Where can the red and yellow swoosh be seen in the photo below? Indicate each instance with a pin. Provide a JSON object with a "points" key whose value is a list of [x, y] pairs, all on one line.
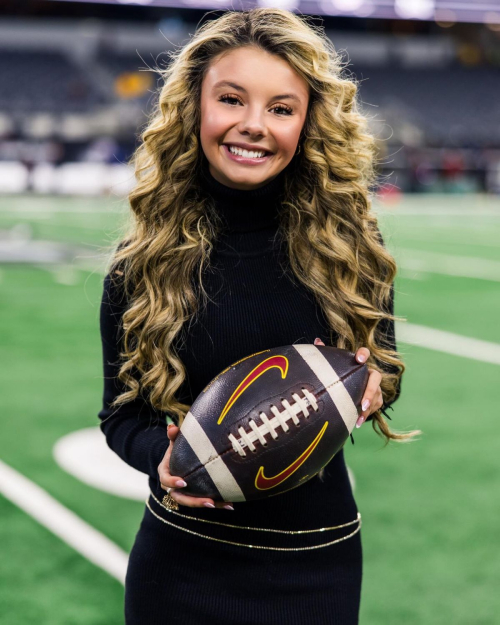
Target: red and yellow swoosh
{"points": [[281, 362], [264, 483]]}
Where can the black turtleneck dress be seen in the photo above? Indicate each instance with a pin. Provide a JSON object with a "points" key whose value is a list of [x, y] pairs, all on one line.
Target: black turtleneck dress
{"points": [[177, 576]]}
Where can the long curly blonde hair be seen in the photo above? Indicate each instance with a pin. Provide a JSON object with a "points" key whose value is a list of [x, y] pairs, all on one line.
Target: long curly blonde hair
{"points": [[333, 241]]}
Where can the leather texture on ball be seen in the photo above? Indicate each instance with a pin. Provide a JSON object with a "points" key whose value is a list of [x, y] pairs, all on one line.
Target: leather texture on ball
{"points": [[309, 396]]}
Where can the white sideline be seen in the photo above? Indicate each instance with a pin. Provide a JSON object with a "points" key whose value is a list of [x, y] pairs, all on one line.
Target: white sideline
{"points": [[447, 342], [62, 522]]}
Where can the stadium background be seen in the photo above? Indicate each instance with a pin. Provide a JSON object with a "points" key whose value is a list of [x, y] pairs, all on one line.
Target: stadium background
{"points": [[76, 82]]}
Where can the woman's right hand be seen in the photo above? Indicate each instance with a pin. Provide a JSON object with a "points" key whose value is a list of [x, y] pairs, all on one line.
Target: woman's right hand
{"points": [[169, 481]]}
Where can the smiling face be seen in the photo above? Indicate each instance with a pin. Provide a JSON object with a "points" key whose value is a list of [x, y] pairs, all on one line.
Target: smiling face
{"points": [[264, 107]]}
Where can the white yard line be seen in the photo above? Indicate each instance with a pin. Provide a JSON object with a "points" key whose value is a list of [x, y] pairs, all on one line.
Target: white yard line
{"points": [[64, 523], [435, 211], [446, 264], [448, 342], [66, 210], [425, 238]]}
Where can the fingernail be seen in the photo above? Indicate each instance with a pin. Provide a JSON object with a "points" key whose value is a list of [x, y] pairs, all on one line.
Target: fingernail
{"points": [[365, 404], [361, 358], [209, 505], [228, 507], [360, 422], [180, 483]]}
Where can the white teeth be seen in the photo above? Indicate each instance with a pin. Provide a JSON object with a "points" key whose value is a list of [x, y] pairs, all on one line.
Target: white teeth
{"points": [[245, 153]]}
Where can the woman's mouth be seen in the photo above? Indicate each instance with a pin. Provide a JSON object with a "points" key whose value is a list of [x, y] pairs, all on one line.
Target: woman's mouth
{"points": [[246, 160]]}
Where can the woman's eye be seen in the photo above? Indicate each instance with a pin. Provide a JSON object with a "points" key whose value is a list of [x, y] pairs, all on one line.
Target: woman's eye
{"points": [[224, 98], [287, 110]]}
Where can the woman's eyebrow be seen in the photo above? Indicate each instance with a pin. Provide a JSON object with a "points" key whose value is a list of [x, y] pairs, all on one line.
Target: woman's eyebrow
{"points": [[228, 83]]}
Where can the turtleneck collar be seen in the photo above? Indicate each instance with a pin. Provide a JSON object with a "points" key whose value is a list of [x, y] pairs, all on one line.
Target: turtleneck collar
{"points": [[245, 210]]}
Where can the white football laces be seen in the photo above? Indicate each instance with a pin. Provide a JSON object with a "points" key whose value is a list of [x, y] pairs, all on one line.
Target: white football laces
{"points": [[302, 404]]}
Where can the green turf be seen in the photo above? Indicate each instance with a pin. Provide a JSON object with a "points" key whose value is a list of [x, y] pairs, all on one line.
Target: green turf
{"points": [[430, 508], [43, 580]]}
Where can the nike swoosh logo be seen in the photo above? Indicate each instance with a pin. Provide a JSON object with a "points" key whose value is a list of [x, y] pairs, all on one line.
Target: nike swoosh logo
{"points": [[280, 362], [264, 483]]}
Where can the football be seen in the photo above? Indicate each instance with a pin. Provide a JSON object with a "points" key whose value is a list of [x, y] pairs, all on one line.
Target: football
{"points": [[269, 422]]}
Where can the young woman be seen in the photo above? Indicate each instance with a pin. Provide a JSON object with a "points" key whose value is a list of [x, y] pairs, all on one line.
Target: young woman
{"points": [[252, 228]]}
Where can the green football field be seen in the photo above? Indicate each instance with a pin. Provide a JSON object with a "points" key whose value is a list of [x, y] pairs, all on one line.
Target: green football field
{"points": [[430, 508]]}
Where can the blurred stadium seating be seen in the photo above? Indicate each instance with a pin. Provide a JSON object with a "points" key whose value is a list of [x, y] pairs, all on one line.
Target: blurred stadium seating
{"points": [[73, 93]]}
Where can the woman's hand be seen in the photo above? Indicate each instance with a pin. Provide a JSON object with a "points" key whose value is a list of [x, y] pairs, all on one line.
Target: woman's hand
{"points": [[175, 483], [372, 399]]}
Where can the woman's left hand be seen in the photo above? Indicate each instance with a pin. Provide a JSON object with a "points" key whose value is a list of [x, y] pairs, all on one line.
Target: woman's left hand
{"points": [[372, 399]]}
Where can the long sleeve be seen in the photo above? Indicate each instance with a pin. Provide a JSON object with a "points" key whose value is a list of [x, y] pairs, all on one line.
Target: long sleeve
{"points": [[135, 430]]}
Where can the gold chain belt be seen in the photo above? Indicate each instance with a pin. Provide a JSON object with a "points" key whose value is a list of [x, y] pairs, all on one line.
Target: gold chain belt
{"points": [[258, 529]]}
